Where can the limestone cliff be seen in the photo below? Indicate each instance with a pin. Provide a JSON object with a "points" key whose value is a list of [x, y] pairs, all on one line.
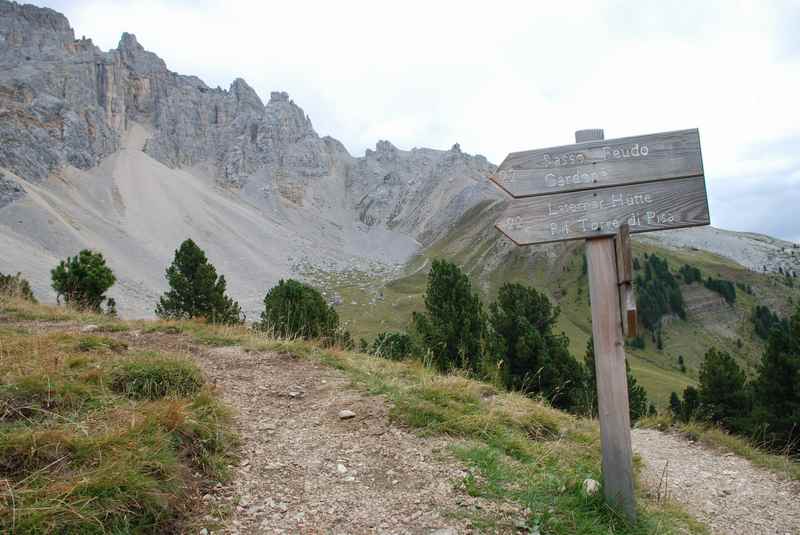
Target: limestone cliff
{"points": [[63, 101]]}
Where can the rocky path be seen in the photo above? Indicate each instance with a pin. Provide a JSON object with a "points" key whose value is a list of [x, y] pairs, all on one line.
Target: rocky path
{"points": [[724, 491], [306, 468]]}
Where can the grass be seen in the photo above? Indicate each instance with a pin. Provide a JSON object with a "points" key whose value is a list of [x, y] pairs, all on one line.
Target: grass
{"points": [[518, 450], [155, 378], [199, 331], [95, 438], [106, 456], [715, 437], [15, 309]]}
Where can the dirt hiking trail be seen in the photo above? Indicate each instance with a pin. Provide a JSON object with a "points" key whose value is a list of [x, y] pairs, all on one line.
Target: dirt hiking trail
{"points": [[726, 492], [305, 469]]}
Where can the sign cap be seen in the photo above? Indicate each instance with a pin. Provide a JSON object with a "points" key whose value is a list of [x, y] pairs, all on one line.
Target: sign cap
{"points": [[589, 134]]}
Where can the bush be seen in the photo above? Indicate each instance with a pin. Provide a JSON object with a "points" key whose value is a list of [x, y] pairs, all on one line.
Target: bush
{"points": [[293, 309], [451, 328], [531, 358], [82, 280], [393, 345], [156, 379], [16, 286], [195, 290]]}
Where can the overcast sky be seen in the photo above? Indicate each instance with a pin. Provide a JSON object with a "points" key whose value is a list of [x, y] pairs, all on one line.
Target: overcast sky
{"points": [[504, 76]]}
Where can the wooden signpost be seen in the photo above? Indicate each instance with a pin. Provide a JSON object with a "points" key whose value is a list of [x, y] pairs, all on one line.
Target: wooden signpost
{"points": [[602, 191]]}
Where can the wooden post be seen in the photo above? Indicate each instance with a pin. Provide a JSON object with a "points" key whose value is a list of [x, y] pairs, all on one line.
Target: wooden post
{"points": [[609, 357], [602, 190]]}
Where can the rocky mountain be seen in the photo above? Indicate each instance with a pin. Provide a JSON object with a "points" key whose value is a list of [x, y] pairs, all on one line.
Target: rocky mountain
{"points": [[111, 150], [94, 141]]}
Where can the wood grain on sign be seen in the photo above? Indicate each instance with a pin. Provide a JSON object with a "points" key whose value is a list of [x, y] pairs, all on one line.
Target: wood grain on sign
{"points": [[661, 205], [604, 163]]}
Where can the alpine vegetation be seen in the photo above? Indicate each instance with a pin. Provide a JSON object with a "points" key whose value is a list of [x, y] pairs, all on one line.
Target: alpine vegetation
{"points": [[82, 280], [195, 289], [295, 310]]}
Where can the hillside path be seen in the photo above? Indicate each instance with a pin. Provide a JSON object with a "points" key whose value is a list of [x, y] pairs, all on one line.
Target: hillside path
{"points": [[305, 470], [726, 492]]}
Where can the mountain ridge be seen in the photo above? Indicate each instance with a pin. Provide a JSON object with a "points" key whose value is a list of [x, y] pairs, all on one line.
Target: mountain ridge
{"points": [[261, 191], [70, 113]]}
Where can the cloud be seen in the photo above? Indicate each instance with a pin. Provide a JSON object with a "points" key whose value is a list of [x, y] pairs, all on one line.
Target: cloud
{"points": [[506, 76]]}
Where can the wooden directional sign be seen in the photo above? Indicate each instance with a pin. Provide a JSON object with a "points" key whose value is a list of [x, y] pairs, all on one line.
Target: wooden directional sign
{"points": [[647, 207], [605, 190], [604, 163]]}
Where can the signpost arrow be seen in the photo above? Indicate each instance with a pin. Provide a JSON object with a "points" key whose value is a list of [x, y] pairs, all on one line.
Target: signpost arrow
{"points": [[598, 163], [647, 207], [602, 191]]}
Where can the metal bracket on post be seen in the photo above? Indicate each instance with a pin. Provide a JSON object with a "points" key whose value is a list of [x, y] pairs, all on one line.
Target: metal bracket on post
{"points": [[627, 300]]}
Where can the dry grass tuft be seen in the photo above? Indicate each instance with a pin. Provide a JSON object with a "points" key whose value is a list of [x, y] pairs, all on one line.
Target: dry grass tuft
{"points": [[84, 448]]}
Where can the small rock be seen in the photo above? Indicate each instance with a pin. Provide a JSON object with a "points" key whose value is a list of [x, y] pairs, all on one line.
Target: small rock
{"points": [[294, 394], [444, 531], [346, 414], [341, 468], [591, 486], [89, 328], [204, 531]]}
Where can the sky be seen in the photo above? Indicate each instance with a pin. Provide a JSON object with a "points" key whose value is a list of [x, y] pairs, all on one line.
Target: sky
{"points": [[498, 76]]}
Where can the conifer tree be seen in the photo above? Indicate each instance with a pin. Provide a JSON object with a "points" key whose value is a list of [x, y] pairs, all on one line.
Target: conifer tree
{"points": [[637, 395], [293, 309], [723, 395], [675, 406], [195, 290], [777, 387], [530, 356], [691, 402], [82, 280], [451, 328]]}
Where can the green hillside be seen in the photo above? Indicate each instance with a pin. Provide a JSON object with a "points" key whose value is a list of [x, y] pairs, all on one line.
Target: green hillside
{"points": [[370, 305]]}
